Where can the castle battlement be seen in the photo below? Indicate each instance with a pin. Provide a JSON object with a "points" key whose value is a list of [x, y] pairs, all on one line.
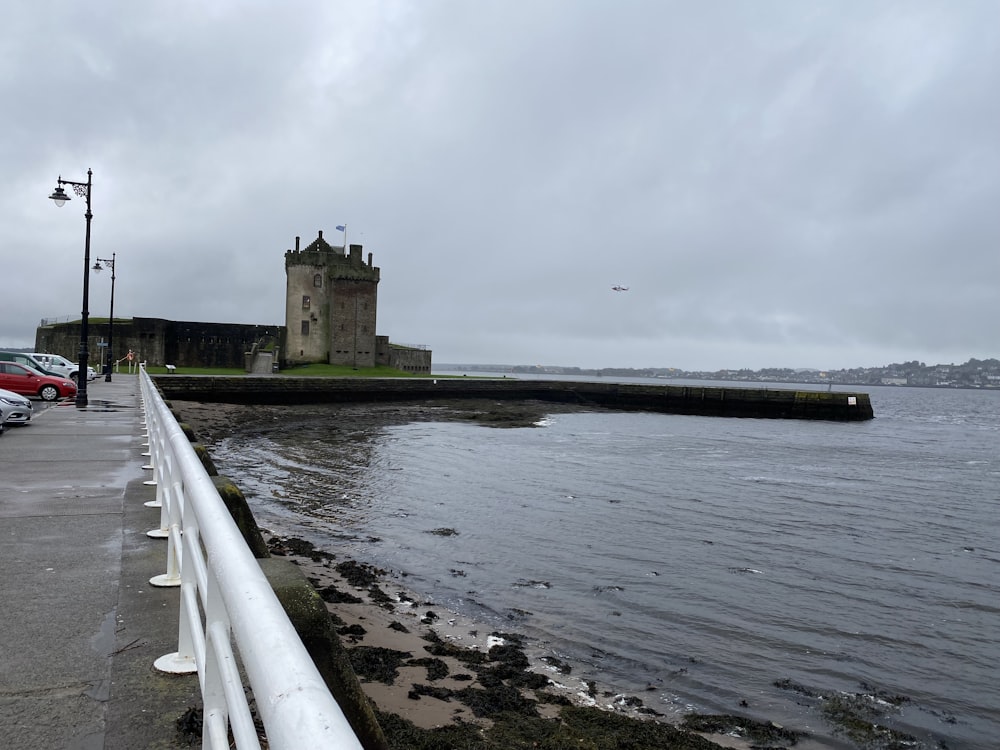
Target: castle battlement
{"points": [[339, 262]]}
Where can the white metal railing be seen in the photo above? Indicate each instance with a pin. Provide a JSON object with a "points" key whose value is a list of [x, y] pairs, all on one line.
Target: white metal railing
{"points": [[55, 321], [225, 600], [409, 346]]}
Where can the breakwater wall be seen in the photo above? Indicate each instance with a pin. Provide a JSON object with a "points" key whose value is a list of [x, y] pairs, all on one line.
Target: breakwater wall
{"points": [[670, 399]]}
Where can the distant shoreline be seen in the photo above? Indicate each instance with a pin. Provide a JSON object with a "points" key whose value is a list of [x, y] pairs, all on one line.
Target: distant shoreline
{"points": [[729, 377]]}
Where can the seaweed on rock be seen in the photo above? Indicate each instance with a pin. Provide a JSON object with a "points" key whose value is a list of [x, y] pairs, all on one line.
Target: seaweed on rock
{"points": [[759, 733], [376, 663]]}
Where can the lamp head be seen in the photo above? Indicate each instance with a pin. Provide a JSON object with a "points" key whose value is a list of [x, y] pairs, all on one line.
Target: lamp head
{"points": [[59, 196], [97, 267]]}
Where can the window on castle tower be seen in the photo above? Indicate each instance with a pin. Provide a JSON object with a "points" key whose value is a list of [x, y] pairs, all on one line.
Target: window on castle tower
{"points": [[305, 301], [305, 327], [318, 280]]}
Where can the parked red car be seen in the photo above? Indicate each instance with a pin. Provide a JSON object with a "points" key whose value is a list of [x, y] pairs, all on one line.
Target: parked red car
{"points": [[28, 382]]}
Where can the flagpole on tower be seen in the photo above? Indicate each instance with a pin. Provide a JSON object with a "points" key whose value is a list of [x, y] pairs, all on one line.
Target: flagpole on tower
{"points": [[343, 228]]}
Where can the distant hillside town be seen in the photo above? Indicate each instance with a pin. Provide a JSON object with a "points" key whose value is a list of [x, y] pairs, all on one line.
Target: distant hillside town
{"points": [[976, 373]]}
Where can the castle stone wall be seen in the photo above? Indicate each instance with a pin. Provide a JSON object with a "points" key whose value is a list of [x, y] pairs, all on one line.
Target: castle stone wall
{"points": [[410, 359], [159, 342]]}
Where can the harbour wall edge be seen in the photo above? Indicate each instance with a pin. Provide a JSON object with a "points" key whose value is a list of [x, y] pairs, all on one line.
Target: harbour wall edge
{"points": [[767, 403]]}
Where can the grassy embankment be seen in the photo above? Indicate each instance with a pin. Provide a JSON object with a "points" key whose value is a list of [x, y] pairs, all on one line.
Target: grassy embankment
{"points": [[312, 370]]}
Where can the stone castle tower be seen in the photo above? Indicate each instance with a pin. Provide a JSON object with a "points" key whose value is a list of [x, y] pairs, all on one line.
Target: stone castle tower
{"points": [[331, 302]]}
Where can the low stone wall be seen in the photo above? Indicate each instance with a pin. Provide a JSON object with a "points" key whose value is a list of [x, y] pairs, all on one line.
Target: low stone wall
{"points": [[672, 399]]}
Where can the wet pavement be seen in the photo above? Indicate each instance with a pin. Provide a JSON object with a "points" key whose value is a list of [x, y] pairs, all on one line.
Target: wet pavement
{"points": [[81, 624]]}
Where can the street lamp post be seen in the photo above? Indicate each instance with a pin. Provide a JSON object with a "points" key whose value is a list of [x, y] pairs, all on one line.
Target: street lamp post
{"points": [[111, 318], [83, 190]]}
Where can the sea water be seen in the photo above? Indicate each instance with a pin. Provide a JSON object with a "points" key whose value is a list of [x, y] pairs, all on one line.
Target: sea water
{"points": [[701, 563]]}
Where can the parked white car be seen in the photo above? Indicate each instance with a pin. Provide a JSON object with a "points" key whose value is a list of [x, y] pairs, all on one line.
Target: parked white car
{"points": [[61, 366], [15, 409]]}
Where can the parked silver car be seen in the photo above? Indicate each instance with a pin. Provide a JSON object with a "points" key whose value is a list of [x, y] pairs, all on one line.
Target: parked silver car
{"points": [[15, 409]]}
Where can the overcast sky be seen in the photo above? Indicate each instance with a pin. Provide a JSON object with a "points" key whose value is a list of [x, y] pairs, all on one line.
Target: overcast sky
{"points": [[778, 183]]}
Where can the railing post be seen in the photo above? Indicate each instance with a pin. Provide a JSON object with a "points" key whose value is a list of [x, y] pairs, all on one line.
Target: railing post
{"points": [[227, 607], [190, 641], [155, 452], [164, 480]]}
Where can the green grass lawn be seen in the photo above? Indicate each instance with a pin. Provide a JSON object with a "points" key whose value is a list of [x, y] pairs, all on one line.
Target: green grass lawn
{"points": [[312, 370]]}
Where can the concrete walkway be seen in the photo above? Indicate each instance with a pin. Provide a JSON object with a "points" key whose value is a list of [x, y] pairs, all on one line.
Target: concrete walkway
{"points": [[81, 624]]}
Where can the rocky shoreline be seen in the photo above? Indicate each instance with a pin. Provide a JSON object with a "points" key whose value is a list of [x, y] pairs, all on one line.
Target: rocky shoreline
{"points": [[438, 681]]}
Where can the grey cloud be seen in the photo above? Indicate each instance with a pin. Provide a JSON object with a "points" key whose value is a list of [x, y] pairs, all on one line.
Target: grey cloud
{"points": [[780, 184]]}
